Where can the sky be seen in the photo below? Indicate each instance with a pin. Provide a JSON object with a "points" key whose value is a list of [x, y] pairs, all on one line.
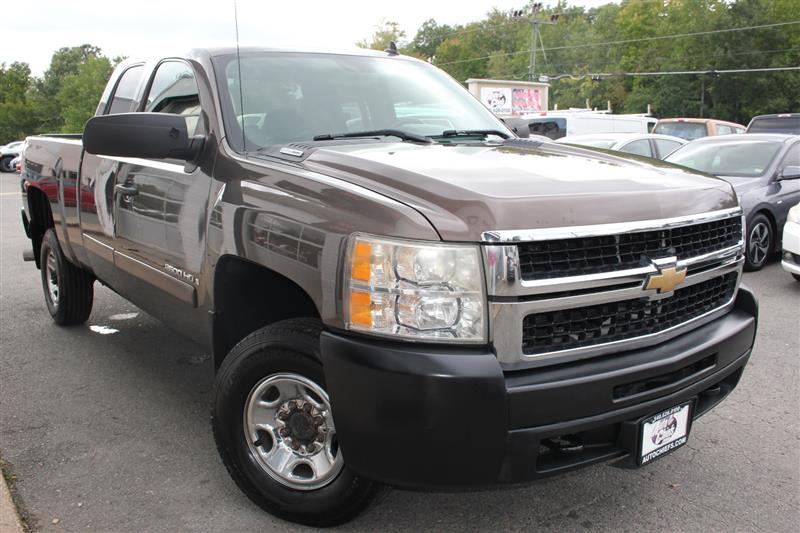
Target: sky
{"points": [[148, 28]]}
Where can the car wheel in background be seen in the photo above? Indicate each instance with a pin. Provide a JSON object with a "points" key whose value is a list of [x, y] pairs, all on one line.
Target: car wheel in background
{"points": [[759, 245], [5, 163]]}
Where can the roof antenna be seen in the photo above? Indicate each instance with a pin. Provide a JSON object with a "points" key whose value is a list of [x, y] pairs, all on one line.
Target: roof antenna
{"points": [[392, 50], [239, 68]]}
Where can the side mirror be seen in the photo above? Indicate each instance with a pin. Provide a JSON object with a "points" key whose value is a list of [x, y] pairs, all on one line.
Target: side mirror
{"points": [[789, 172], [145, 135]]}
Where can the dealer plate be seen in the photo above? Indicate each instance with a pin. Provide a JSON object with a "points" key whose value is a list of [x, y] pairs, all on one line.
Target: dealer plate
{"points": [[664, 432]]}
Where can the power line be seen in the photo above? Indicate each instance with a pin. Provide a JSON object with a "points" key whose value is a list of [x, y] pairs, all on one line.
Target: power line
{"points": [[625, 41], [671, 73], [662, 58]]}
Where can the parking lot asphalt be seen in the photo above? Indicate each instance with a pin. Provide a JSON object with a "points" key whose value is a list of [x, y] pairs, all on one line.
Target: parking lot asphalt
{"points": [[105, 427]]}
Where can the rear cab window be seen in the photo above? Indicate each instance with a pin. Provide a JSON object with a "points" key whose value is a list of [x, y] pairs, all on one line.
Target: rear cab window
{"points": [[124, 99]]}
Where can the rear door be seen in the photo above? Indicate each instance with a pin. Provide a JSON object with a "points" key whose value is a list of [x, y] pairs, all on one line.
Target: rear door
{"points": [[96, 196], [161, 205]]}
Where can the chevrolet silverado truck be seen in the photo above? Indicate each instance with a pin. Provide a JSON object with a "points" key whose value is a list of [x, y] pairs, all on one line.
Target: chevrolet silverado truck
{"points": [[396, 290]]}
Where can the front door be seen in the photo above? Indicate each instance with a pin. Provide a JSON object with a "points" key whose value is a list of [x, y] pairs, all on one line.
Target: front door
{"points": [[160, 206]]}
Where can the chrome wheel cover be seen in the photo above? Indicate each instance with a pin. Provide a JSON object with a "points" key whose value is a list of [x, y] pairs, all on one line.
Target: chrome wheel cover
{"points": [[51, 277], [759, 243], [289, 430]]}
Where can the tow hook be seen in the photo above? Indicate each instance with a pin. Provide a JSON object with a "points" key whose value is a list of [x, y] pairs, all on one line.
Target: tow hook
{"points": [[564, 444]]}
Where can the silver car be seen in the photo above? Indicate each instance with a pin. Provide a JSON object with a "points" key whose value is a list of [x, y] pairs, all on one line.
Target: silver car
{"points": [[764, 169]]}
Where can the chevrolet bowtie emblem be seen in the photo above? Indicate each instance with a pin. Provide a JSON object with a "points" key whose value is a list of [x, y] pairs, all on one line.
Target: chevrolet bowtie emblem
{"points": [[666, 280]]}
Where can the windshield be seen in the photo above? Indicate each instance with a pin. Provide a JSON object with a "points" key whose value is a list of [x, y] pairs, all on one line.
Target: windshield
{"points": [[788, 125], [684, 130], [294, 97], [747, 159]]}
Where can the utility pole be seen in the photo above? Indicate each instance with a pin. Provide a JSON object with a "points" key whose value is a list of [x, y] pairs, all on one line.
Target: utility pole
{"points": [[536, 7]]}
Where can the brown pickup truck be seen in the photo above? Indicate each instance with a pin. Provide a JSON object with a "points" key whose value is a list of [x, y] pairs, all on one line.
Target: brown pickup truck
{"points": [[397, 290]]}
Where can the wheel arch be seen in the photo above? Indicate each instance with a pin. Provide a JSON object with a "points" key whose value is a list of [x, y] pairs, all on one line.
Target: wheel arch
{"points": [[41, 219], [249, 296]]}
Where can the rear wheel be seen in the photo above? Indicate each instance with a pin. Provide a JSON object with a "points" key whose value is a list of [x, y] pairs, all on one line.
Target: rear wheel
{"points": [[68, 289], [760, 240], [275, 431]]}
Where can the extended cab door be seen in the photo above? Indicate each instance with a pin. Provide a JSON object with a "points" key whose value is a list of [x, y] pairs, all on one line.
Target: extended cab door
{"points": [[96, 196], [160, 205]]}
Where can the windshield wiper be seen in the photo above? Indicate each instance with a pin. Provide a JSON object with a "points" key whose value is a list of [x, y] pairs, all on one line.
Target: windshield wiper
{"points": [[404, 135], [474, 133]]}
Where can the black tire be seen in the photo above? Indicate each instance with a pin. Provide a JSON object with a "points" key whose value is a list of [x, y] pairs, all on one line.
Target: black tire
{"points": [[72, 303], [760, 243], [5, 163], [290, 346]]}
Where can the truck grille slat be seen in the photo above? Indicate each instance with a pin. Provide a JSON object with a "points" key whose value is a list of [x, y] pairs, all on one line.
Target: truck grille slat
{"points": [[590, 255], [598, 324]]}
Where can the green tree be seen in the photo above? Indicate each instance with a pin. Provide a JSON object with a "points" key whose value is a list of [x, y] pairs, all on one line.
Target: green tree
{"points": [[16, 114], [64, 62], [427, 39], [385, 32], [80, 92]]}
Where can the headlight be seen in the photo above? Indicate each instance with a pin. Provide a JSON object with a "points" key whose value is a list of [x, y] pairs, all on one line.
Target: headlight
{"points": [[794, 214], [427, 292]]}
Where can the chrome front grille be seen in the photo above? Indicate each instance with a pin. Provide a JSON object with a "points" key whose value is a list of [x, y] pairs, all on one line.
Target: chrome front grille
{"points": [[565, 329], [606, 253], [582, 304]]}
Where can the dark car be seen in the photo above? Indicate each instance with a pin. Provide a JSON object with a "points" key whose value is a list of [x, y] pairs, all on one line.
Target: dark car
{"points": [[764, 169], [786, 123]]}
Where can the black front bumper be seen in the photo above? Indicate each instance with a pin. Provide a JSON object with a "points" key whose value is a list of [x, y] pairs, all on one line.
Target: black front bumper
{"points": [[445, 418]]}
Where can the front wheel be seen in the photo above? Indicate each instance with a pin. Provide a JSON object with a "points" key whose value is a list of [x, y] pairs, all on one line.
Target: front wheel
{"points": [[275, 431], [760, 240]]}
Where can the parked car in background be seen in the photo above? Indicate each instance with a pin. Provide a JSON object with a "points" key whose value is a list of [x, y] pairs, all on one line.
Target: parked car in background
{"points": [[695, 128], [791, 243], [648, 145], [8, 153], [558, 124], [787, 123], [16, 163], [764, 169]]}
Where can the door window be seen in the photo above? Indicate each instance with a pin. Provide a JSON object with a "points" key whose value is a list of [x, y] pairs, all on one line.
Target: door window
{"points": [[666, 147], [174, 90], [124, 99], [722, 129], [640, 147]]}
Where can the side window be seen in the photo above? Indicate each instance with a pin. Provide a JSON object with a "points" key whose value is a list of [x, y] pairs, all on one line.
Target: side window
{"points": [[174, 90], [666, 147], [640, 147], [722, 129], [124, 98]]}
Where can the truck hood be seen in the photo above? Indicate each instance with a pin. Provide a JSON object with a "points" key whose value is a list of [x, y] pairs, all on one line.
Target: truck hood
{"points": [[465, 190]]}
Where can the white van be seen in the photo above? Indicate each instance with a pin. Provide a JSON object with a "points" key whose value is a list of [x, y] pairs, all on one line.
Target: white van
{"points": [[558, 124]]}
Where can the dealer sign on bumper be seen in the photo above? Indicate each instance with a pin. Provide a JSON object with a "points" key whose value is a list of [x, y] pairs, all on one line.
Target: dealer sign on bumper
{"points": [[664, 432]]}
